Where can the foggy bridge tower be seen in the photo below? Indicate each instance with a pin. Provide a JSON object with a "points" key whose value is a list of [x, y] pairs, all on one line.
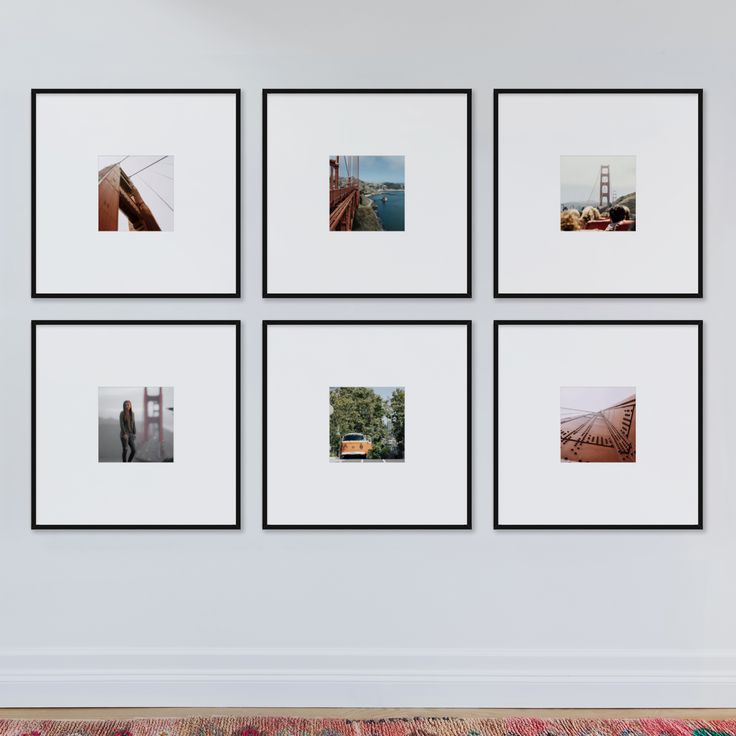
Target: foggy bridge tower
{"points": [[605, 187], [153, 416]]}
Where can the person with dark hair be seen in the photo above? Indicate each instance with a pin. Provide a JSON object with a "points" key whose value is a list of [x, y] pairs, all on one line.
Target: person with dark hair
{"points": [[618, 213], [127, 431]]}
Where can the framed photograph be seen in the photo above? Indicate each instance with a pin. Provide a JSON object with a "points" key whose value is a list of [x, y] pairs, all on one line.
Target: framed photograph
{"points": [[366, 193], [163, 396], [575, 166], [366, 425], [607, 434], [135, 192]]}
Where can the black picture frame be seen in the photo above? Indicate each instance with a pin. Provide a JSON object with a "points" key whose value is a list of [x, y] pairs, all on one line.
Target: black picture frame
{"points": [[236, 294], [467, 294], [264, 428], [238, 398], [497, 293], [498, 526]]}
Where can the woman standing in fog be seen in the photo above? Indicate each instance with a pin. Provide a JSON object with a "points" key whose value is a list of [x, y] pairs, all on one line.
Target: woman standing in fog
{"points": [[127, 431]]}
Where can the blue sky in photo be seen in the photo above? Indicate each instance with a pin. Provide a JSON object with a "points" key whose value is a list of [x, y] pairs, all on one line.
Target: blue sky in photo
{"points": [[378, 169]]}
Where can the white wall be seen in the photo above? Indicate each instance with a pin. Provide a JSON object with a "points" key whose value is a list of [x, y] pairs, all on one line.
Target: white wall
{"points": [[475, 618]]}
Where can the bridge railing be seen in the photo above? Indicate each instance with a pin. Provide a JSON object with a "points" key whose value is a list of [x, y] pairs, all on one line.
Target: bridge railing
{"points": [[343, 211], [337, 195]]}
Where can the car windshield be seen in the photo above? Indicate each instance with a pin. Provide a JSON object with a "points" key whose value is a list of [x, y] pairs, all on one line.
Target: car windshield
{"points": [[353, 438]]}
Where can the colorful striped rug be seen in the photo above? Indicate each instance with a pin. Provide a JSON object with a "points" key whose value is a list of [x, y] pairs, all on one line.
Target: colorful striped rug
{"points": [[274, 726]]}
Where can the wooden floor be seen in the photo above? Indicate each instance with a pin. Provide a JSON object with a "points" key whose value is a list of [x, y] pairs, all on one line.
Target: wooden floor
{"points": [[367, 713]]}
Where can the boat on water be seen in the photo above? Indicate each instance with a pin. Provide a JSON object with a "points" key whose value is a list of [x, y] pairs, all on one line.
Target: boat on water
{"points": [[384, 198]]}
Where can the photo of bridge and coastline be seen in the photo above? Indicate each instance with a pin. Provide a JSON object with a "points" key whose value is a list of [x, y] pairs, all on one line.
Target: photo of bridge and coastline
{"points": [[598, 193], [367, 193]]}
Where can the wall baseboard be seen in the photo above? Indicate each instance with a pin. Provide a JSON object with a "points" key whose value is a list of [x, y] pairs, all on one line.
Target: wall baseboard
{"points": [[140, 677]]}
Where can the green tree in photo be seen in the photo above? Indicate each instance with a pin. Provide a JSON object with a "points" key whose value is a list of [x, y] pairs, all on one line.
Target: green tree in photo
{"points": [[356, 409], [362, 410], [396, 417]]}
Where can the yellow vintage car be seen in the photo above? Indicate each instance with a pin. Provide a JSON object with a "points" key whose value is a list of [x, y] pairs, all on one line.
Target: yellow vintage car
{"points": [[355, 446]]}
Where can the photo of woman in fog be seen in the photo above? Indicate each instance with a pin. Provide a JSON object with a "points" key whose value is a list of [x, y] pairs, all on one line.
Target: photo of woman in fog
{"points": [[149, 409]]}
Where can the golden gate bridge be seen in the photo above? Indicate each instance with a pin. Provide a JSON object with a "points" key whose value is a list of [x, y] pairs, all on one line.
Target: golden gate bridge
{"points": [[605, 200]]}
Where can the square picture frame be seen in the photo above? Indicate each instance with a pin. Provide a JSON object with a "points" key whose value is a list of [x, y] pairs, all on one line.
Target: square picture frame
{"points": [[327, 384], [627, 474], [118, 411], [167, 163], [358, 136], [536, 257]]}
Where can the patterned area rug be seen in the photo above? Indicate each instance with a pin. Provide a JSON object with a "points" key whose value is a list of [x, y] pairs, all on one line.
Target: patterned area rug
{"points": [[270, 726]]}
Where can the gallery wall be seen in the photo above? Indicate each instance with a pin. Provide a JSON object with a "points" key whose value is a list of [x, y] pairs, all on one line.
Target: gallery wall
{"points": [[473, 618]]}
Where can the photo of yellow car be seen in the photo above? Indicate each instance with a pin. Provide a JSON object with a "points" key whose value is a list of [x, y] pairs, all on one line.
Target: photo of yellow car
{"points": [[355, 446]]}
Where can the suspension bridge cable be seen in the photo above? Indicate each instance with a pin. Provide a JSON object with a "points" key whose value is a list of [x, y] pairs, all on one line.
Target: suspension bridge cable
{"points": [[130, 176], [595, 184], [110, 168], [148, 184], [158, 173]]}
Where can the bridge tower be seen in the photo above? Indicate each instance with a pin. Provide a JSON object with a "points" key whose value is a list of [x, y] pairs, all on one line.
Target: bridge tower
{"points": [[335, 173], [153, 416], [116, 192], [604, 199]]}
